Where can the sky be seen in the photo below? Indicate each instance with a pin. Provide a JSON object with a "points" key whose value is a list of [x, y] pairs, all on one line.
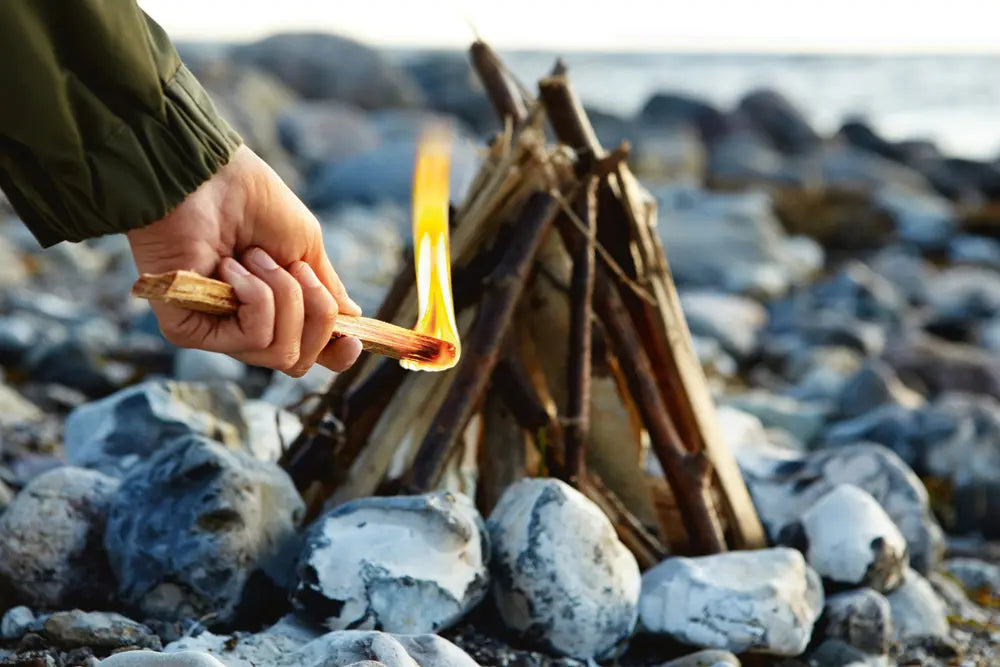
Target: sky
{"points": [[854, 26]]}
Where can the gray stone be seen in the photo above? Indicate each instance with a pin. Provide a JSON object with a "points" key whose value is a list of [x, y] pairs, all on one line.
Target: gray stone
{"points": [[97, 630], [974, 575], [733, 320], [16, 621], [957, 601], [154, 659], [744, 159], [270, 429], [917, 611], [406, 565], [861, 618], [662, 155], [706, 658], [189, 527], [874, 385], [50, 540], [449, 84], [783, 124], [963, 293], [200, 366], [325, 66], [851, 168], [756, 258], [838, 653], [924, 219], [561, 577], [327, 130], [802, 420], [849, 540], [977, 250], [761, 601], [130, 426], [6, 496], [669, 109]]}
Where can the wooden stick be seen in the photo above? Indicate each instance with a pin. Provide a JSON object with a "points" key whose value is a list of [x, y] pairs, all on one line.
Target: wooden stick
{"points": [[578, 363], [483, 348], [207, 295], [506, 99]]}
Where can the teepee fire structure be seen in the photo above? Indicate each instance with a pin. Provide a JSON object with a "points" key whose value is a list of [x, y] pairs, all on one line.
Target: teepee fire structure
{"points": [[576, 360]]}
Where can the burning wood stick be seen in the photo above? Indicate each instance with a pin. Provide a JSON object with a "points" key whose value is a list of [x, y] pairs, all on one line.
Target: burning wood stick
{"points": [[195, 292]]}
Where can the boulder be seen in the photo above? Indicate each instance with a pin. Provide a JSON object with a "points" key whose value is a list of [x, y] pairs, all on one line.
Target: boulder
{"points": [[407, 565], [672, 109], [116, 433], [199, 528], [323, 131], [849, 540], [325, 66], [917, 611], [760, 601], [861, 618], [780, 121], [561, 577], [50, 540]]}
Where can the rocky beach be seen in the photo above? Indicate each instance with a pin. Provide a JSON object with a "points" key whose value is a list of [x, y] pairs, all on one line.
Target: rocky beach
{"points": [[843, 294]]}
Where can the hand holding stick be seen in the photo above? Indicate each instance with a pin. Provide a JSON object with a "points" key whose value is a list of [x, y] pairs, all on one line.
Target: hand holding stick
{"points": [[207, 295]]}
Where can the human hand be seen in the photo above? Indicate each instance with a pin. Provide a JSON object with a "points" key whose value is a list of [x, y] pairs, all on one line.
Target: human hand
{"points": [[290, 295]]}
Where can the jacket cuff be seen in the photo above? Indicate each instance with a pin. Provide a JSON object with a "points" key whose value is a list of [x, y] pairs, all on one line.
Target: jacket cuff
{"points": [[145, 167]]}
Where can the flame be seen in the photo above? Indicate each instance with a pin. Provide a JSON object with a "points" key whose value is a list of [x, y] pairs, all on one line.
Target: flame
{"points": [[431, 249]]}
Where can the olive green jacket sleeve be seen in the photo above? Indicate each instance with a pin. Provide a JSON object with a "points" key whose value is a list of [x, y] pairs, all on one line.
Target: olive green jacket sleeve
{"points": [[102, 128]]}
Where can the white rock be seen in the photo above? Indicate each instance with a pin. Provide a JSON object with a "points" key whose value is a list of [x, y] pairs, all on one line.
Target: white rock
{"points": [[861, 618], [154, 659], [762, 601], [244, 650], [284, 390], [270, 429], [409, 565], [16, 621], [850, 540], [561, 577], [917, 611], [735, 321]]}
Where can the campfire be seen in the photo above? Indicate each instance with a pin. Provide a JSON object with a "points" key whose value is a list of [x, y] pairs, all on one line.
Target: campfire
{"points": [[576, 361]]}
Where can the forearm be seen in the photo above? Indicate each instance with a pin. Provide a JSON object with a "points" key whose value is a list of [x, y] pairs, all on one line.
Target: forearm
{"points": [[103, 129]]}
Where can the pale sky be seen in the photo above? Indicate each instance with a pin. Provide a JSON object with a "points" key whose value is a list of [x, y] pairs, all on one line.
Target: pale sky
{"points": [[869, 26]]}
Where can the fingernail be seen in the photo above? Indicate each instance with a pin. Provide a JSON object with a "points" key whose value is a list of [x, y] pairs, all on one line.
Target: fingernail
{"points": [[236, 267], [352, 302], [263, 260], [307, 276]]}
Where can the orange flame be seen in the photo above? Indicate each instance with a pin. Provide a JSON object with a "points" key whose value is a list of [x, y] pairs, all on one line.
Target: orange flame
{"points": [[431, 249]]}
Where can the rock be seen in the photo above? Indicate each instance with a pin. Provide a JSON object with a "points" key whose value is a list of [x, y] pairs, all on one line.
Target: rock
{"points": [[271, 429], [324, 66], [666, 155], [50, 540], [957, 602], [6, 496], [189, 528], [837, 653], [861, 618], [743, 159], [345, 647], [874, 385], [849, 540], [154, 659], [324, 131], [97, 630], [116, 433], [406, 565], [74, 364], [905, 269], [849, 168], [802, 420], [706, 658], [449, 84], [837, 218], [784, 484], [201, 366], [755, 259], [16, 621], [966, 249], [672, 109], [384, 174], [762, 601], [734, 321], [561, 577], [964, 294], [974, 575], [917, 611], [366, 246], [942, 366], [286, 391], [15, 409], [783, 124], [924, 219]]}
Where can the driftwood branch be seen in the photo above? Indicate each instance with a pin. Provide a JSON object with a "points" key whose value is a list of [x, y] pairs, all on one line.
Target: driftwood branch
{"points": [[482, 347], [687, 477], [578, 365], [506, 99]]}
